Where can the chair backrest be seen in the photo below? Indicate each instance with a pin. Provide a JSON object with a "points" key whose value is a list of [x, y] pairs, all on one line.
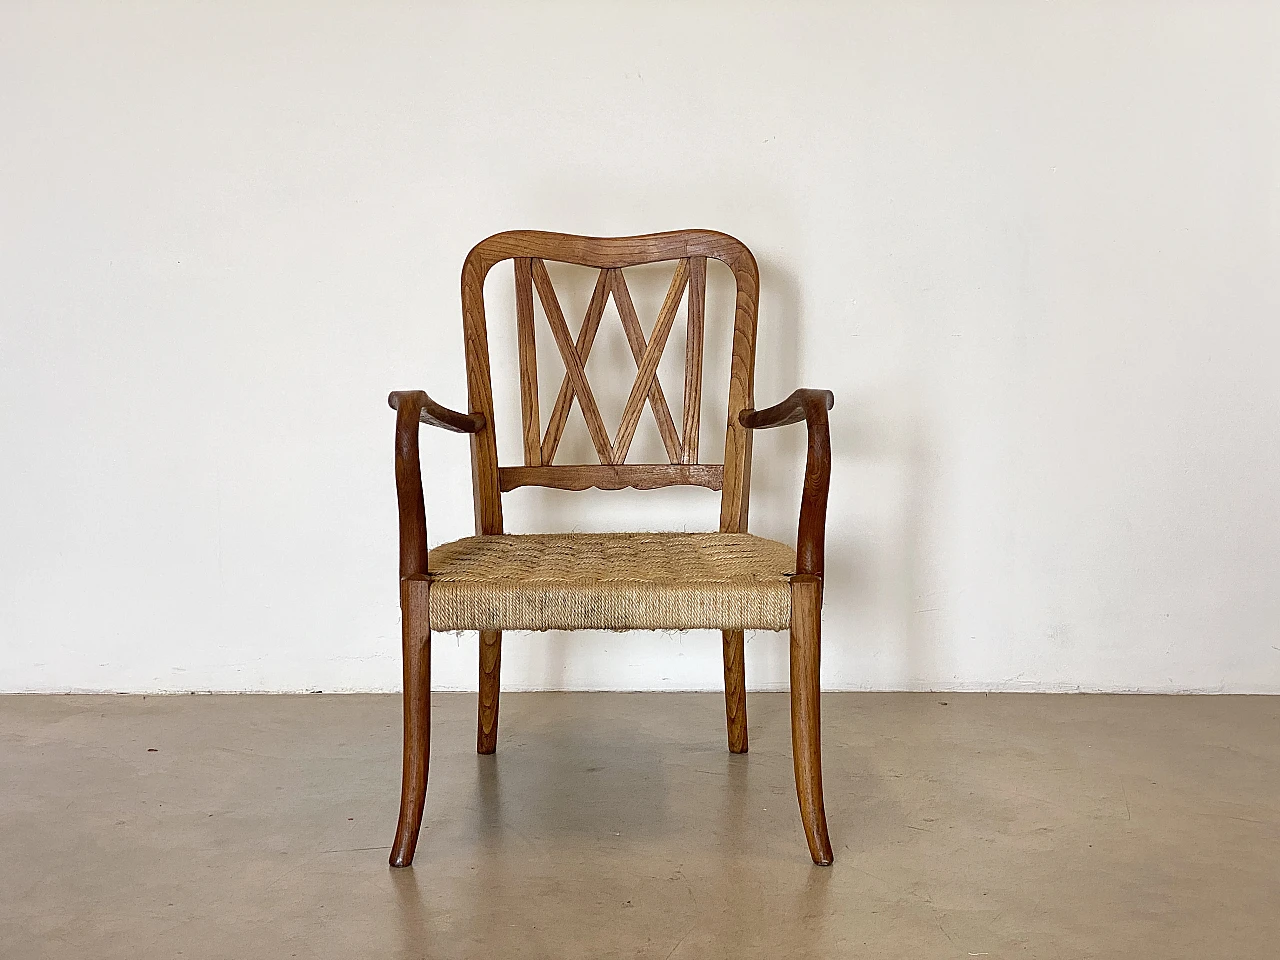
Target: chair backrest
{"points": [[530, 249]]}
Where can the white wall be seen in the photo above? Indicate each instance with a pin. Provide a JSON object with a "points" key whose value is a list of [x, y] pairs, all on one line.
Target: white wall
{"points": [[1032, 247]]}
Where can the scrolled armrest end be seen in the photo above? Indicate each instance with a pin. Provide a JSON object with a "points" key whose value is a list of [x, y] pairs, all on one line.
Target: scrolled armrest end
{"points": [[795, 408], [432, 413]]}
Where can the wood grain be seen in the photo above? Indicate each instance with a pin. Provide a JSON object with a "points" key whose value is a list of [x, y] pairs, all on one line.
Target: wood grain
{"points": [[490, 684], [530, 420], [573, 364], [484, 446], [603, 252], [693, 359], [586, 339], [640, 476], [435, 415], [646, 375], [806, 720], [810, 406], [636, 340], [736, 501], [413, 514], [791, 410], [414, 407], [735, 689], [416, 642]]}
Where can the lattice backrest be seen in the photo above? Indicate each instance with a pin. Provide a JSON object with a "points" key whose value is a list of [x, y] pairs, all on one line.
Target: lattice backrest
{"points": [[690, 276], [689, 250]]}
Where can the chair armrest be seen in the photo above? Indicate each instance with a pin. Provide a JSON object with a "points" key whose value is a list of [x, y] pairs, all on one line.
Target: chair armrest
{"points": [[810, 406], [414, 407], [791, 410], [432, 413]]}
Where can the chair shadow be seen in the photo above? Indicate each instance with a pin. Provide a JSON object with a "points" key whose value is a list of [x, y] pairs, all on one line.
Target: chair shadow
{"points": [[610, 781]]}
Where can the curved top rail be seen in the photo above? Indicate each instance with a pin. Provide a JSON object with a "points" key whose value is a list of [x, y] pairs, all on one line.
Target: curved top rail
{"points": [[606, 252]]}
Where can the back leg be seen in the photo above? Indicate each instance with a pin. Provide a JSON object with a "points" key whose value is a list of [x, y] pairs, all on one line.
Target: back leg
{"points": [[490, 672], [735, 690]]}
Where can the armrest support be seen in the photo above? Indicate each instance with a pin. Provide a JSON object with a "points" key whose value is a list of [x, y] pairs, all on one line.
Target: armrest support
{"points": [[810, 406], [412, 408]]}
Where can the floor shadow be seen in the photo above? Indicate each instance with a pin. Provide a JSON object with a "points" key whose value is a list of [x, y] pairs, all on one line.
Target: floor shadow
{"points": [[603, 802], [413, 925], [606, 781]]}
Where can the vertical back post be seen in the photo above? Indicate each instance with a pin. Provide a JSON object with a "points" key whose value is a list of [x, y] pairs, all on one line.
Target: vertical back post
{"points": [[735, 500], [529, 417], [693, 359], [484, 446]]}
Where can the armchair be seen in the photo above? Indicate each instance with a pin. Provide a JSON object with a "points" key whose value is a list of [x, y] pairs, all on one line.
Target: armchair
{"points": [[728, 580]]}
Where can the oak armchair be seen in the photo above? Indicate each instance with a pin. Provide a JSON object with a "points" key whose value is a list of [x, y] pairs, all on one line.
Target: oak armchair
{"points": [[729, 580]]}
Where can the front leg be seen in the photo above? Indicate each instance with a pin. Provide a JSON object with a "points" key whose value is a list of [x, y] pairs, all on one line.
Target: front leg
{"points": [[806, 722], [811, 406], [416, 633], [412, 408]]}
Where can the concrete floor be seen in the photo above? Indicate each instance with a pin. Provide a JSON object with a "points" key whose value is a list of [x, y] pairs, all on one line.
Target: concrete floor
{"points": [[617, 825]]}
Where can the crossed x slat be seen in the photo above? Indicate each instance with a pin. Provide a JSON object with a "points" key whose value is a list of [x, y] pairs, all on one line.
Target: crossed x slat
{"points": [[647, 354]]}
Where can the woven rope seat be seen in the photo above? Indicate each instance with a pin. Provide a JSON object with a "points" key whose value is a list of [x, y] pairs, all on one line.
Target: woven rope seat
{"points": [[611, 581]]}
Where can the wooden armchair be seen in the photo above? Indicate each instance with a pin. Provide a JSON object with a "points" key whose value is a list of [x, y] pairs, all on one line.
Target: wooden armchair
{"points": [[730, 580]]}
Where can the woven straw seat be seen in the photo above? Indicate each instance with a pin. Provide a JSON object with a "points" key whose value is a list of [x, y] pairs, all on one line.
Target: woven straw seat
{"points": [[611, 581]]}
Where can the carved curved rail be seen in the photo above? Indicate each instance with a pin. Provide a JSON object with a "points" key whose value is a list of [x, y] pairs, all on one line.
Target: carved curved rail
{"points": [[640, 476]]}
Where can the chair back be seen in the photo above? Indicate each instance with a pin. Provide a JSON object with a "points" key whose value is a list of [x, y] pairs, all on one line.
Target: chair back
{"points": [[689, 249]]}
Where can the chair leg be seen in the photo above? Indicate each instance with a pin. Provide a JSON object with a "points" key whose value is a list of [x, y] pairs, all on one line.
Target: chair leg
{"points": [[416, 632], [806, 733], [490, 673], [735, 691]]}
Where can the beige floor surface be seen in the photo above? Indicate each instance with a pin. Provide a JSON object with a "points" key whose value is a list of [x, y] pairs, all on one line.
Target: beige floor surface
{"points": [[617, 825]]}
